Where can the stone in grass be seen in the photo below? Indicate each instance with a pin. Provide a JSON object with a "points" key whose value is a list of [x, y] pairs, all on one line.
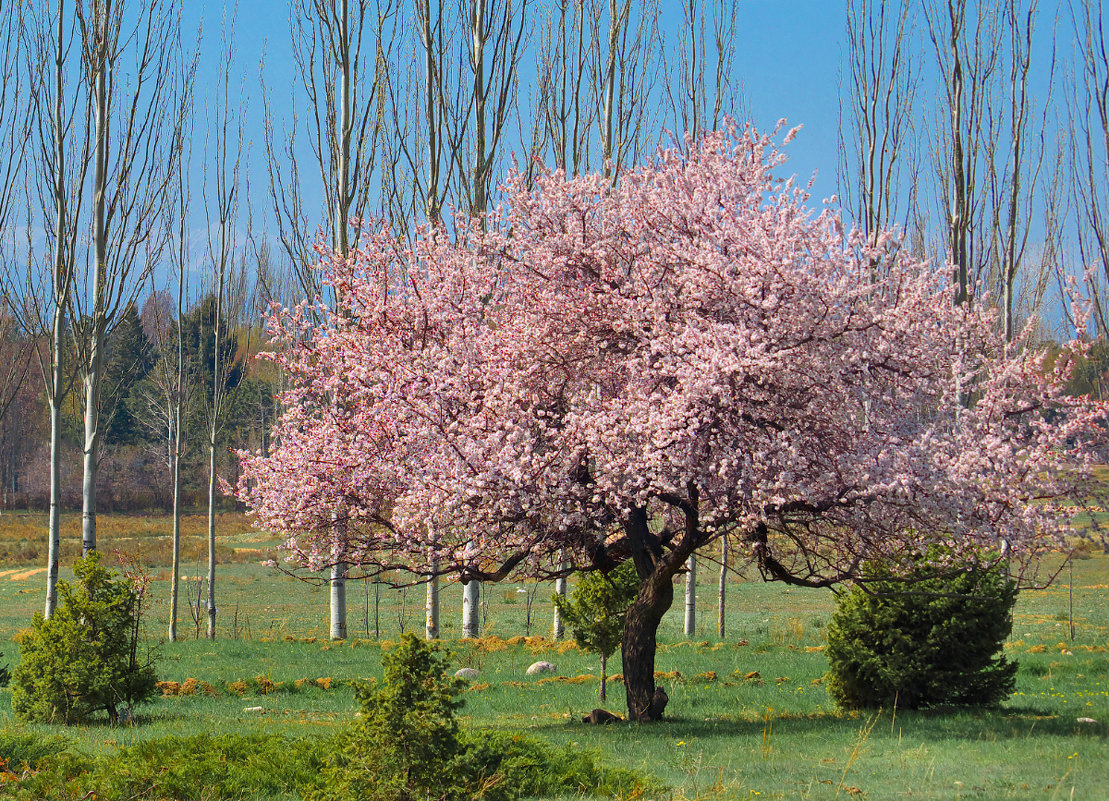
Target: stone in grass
{"points": [[1086, 720], [467, 673], [253, 709], [541, 667]]}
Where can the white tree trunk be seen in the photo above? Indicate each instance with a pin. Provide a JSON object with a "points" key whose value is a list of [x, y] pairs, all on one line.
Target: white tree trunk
{"points": [[723, 585], [471, 626], [61, 286], [212, 524], [98, 318], [92, 443], [559, 627], [55, 525], [691, 596], [431, 627], [175, 570], [339, 601]]}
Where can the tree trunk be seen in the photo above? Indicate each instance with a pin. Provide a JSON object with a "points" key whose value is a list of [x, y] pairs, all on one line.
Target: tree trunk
{"points": [[175, 570], [212, 525], [604, 677], [98, 319], [55, 525], [691, 596], [431, 609], [61, 285], [723, 585], [559, 628], [92, 441], [176, 403], [470, 595], [639, 642], [339, 601], [431, 627]]}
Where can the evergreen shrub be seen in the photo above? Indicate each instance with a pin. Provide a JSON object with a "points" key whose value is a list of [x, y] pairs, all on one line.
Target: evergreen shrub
{"points": [[86, 657], [932, 639], [407, 745]]}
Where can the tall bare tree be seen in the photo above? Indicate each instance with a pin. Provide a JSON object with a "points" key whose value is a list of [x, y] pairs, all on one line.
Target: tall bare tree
{"points": [[341, 49], [701, 85], [599, 72], [226, 255], [1017, 188], [57, 162], [877, 155], [172, 378], [14, 129], [128, 64], [1089, 122], [991, 148]]}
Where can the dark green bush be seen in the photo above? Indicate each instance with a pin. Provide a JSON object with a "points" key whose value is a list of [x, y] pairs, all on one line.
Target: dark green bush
{"points": [[18, 748], [405, 744], [229, 767], [408, 746], [596, 609], [86, 657], [929, 641], [500, 766]]}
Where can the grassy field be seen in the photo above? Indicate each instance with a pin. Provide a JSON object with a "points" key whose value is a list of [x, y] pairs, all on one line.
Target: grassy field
{"points": [[748, 716]]}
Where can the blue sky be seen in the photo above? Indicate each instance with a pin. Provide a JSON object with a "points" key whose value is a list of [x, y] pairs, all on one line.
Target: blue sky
{"points": [[787, 62]]}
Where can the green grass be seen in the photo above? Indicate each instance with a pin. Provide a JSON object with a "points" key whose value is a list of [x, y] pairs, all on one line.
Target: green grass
{"points": [[727, 736]]}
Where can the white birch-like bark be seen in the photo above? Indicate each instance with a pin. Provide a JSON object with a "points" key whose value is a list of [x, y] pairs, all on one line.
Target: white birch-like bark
{"points": [[61, 285], [558, 627], [691, 596], [431, 621], [431, 607], [721, 594], [338, 629], [471, 613]]}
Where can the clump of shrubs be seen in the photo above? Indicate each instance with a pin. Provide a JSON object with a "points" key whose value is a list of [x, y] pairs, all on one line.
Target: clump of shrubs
{"points": [[932, 638], [86, 658], [407, 745], [226, 766]]}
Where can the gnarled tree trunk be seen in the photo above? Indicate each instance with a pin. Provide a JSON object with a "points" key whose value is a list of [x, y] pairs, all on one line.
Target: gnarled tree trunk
{"points": [[656, 569]]}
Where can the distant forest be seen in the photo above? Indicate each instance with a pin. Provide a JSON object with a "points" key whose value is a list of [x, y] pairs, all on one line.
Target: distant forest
{"points": [[135, 455]]}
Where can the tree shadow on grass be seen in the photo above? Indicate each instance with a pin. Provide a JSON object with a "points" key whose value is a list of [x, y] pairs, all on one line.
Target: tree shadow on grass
{"points": [[1014, 722]]}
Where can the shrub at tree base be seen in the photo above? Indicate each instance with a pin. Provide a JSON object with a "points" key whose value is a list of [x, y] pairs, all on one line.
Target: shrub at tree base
{"points": [[596, 610], [933, 640], [85, 658]]}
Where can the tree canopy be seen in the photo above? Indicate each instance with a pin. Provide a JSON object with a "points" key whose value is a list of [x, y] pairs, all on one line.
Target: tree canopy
{"points": [[630, 370]]}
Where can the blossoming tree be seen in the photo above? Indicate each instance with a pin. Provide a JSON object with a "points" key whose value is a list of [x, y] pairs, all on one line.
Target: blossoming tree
{"points": [[631, 371]]}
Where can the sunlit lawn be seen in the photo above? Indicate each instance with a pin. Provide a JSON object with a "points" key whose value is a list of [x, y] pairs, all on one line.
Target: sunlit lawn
{"points": [[730, 734]]}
